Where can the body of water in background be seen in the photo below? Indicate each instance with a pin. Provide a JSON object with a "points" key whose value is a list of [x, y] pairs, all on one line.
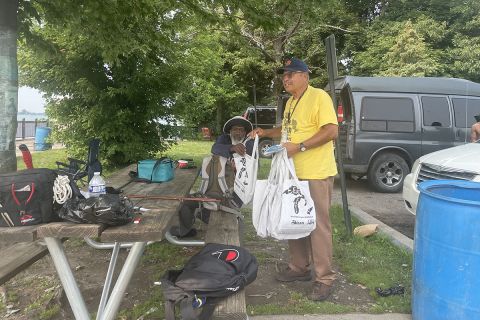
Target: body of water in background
{"points": [[31, 117]]}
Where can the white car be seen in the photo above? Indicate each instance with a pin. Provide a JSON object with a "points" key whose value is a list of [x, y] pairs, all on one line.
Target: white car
{"points": [[457, 163]]}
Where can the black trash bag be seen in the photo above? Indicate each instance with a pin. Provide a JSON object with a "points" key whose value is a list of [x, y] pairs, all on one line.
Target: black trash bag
{"points": [[107, 209]]}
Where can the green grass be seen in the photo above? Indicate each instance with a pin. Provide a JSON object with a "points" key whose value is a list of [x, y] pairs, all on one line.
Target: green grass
{"points": [[299, 304], [371, 262], [44, 159], [195, 150]]}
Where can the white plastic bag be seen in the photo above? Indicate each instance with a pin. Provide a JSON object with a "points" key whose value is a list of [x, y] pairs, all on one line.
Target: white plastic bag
{"points": [[297, 217], [265, 191], [259, 212], [246, 176], [282, 206]]}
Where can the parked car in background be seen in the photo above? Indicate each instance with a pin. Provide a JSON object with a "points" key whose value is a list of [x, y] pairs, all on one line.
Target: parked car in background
{"points": [[457, 163], [389, 122], [265, 118]]}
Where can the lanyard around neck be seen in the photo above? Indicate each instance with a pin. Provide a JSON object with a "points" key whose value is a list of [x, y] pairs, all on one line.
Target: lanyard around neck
{"points": [[290, 111]]}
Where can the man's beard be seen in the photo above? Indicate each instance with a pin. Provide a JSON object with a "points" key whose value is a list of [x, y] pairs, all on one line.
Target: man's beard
{"points": [[236, 138]]}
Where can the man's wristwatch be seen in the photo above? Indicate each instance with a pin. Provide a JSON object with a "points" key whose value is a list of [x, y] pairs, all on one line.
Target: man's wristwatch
{"points": [[302, 147]]}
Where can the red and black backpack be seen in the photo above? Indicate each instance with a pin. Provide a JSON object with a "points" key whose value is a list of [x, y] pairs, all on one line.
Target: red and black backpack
{"points": [[214, 273]]}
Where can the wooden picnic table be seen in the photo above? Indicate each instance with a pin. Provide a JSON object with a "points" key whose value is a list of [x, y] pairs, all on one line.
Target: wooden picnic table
{"points": [[152, 226]]}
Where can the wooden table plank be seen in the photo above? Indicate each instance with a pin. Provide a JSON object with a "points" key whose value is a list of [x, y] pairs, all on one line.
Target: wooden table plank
{"points": [[151, 227], [120, 177], [69, 230], [18, 234], [223, 228], [154, 223], [18, 257]]}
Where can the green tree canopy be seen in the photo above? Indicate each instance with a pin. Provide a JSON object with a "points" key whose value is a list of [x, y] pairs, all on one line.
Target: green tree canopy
{"points": [[108, 70]]}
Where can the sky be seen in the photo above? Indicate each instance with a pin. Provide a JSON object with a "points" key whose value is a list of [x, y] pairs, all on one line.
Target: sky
{"points": [[31, 100]]}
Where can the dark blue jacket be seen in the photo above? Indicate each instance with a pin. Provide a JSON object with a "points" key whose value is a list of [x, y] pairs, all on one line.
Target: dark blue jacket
{"points": [[223, 144]]}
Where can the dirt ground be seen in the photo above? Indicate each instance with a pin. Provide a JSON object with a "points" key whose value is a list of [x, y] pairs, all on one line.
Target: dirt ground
{"points": [[90, 267]]}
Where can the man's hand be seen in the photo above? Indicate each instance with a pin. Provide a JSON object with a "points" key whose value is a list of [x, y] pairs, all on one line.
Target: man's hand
{"points": [[239, 148], [292, 148], [257, 131]]}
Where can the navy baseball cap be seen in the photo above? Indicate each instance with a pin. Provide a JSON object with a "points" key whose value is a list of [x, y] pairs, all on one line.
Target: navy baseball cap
{"points": [[293, 65], [477, 117]]}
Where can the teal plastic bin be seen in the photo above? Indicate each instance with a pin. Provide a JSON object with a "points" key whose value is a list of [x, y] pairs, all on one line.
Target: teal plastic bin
{"points": [[446, 266]]}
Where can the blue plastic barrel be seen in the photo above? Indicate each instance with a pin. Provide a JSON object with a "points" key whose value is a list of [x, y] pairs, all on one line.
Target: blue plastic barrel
{"points": [[446, 266], [41, 135]]}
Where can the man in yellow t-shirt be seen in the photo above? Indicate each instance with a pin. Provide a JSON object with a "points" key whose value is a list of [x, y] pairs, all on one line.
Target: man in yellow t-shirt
{"points": [[308, 130]]}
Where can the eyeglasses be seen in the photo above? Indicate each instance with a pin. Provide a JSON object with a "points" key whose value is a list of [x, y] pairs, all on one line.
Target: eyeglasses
{"points": [[290, 74]]}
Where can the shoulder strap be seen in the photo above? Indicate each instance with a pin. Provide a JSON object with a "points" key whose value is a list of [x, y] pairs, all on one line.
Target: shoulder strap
{"points": [[205, 175], [157, 163], [189, 312]]}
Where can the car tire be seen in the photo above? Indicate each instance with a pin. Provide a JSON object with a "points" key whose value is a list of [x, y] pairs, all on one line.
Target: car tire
{"points": [[387, 172], [263, 145]]}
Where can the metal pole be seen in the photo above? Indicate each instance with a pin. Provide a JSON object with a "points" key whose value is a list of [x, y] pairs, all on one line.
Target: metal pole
{"points": [[108, 280], [55, 247], [123, 279], [332, 75], [191, 243]]}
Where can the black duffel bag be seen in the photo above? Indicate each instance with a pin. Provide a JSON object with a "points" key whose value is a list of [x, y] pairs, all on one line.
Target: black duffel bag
{"points": [[26, 197]]}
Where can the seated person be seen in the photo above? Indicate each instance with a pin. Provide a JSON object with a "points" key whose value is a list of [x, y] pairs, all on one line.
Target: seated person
{"points": [[231, 141]]}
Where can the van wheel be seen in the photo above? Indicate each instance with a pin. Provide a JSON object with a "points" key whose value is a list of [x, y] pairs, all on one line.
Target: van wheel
{"points": [[386, 173], [264, 145]]}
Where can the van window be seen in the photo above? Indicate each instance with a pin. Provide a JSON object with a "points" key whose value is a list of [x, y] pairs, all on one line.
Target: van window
{"points": [[387, 114], [344, 100], [436, 112], [465, 109], [264, 116]]}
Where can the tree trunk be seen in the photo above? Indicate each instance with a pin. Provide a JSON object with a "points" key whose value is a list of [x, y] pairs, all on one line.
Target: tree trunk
{"points": [[219, 119], [8, 84], [279, 47]]}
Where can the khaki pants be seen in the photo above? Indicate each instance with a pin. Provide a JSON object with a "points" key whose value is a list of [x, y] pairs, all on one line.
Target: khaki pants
{"points": [[315, 251]]}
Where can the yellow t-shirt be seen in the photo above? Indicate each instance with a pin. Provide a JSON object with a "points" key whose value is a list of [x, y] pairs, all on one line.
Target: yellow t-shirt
{"points": [[307, 115]]}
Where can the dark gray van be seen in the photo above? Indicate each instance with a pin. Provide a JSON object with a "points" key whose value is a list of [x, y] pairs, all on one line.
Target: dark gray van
{"points": [[390, 122]]}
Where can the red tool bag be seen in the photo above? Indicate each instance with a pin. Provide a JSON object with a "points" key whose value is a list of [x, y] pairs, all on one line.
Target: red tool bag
{"points": [[26, 197]]}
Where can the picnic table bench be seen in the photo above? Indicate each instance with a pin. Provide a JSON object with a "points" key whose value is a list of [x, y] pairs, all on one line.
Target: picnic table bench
{"points": [[152, 227]]}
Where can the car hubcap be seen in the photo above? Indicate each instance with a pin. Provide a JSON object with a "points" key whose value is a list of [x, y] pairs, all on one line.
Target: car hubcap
{"points": [[390, 173]]}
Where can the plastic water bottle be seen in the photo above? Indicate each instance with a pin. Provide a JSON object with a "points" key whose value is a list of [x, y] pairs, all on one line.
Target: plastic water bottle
{"points": [[96, 186]]}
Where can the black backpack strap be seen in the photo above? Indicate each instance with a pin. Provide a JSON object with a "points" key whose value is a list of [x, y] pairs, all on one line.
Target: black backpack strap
{"points": [[208, 308], [186, 309], [169, 310], [189, 312]]}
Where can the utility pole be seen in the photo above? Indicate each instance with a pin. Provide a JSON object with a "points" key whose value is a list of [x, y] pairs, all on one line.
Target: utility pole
{"points": [[332, 75]]}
